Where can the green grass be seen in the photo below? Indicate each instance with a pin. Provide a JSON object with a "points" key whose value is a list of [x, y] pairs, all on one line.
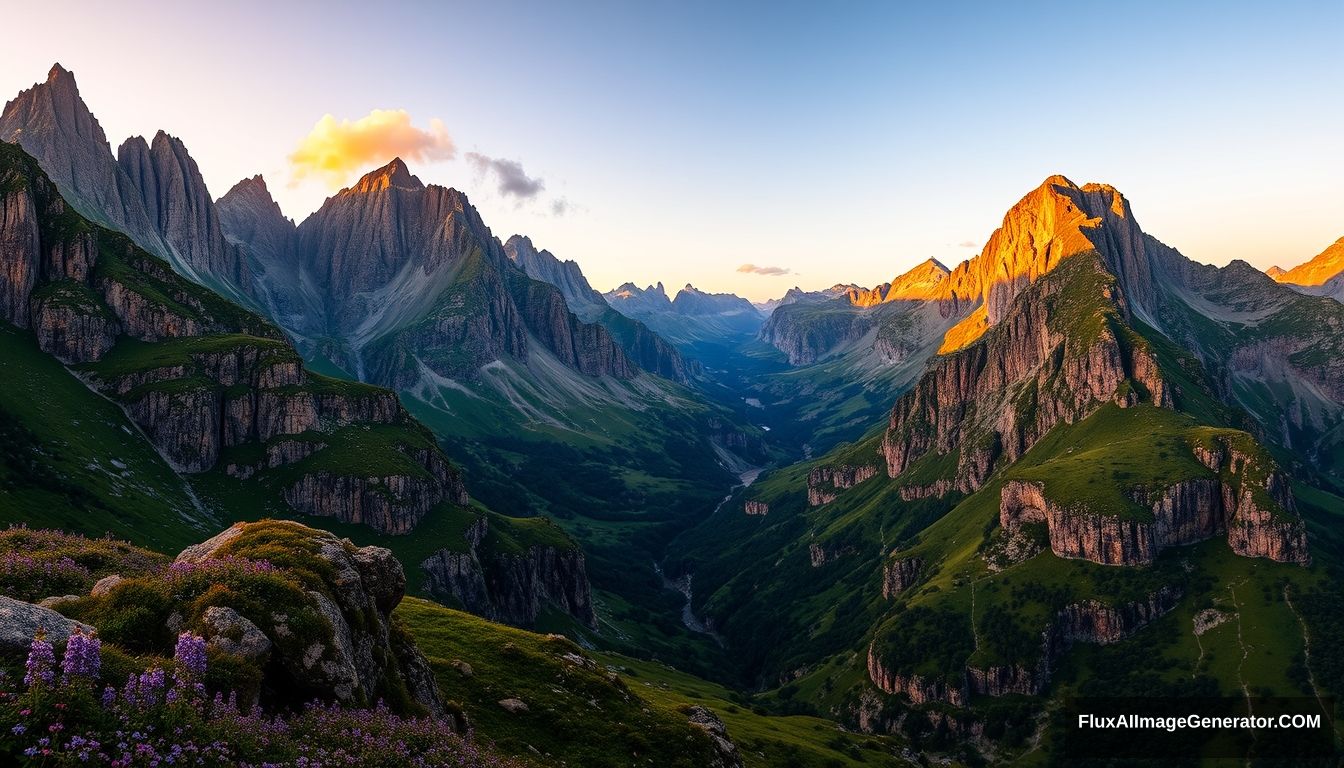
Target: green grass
{"points": [[134, 356], [74, 461], [612, 710]]}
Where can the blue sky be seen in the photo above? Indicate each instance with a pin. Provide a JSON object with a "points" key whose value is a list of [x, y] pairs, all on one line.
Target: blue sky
{"points": [[844, 143]]}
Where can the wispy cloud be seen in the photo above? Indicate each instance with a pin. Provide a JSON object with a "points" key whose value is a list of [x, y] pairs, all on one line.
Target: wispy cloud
{"points": [[513, 180], [560, 206], [761, 270], [335, 149], [967, 244]]}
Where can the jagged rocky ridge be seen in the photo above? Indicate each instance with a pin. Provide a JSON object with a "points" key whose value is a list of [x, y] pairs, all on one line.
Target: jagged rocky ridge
{"points": [[201, 377], [808, 327], [1321, 276], [153, 193], [645, 348], [512, 587], [1062, 350]]}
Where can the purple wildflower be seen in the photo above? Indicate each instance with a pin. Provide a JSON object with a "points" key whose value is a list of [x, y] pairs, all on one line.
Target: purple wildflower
{"points": [[41, 663], [190, 653], [83, 657]]}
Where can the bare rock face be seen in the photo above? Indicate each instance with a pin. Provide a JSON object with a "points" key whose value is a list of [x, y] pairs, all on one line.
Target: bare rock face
{"points": [[899, 575], [1248, 500], [825, 483], [237, 382], [917, 688], [19, 243], [179, 206], [808, 327], [230, 632], [508, 587], [725, 751], [820, 554], [1086, 622], [1039, 367], [360, 654], [51, 122], [756, 508]]}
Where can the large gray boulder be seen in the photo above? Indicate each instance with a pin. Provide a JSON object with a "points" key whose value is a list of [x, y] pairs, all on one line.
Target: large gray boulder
{"points": [[20, 621]]}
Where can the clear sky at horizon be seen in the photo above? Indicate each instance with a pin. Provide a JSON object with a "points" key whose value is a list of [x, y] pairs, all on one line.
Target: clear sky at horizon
{"points": [[834, 142]]}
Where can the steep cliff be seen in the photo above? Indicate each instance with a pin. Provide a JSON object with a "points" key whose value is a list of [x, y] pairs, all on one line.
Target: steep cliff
{"points": [[179, 206], [510, 574], [202, 378], [152, 193], [825, 482], [1088, 621], [1062, 349], [51, 122]]}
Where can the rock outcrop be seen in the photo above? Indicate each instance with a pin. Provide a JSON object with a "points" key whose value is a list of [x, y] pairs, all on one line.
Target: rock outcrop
{"points": [[358, 657], [1086, 622], [825, 482], [756, 508], [1245, 498], [20, 621], [1060, 350], [899, 575], [208, 378], [725, 751], [512, 587]]}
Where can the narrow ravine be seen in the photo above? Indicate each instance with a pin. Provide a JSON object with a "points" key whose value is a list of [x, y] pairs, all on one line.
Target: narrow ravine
{"points": [[682, 584]]}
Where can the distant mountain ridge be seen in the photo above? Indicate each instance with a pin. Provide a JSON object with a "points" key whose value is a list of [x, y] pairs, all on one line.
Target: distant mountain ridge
{"points": [[1321, 276]]}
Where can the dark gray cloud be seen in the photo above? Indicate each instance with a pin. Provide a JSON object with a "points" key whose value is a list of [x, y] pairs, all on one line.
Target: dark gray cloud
{"points": [[760, 270], [513, 180]]}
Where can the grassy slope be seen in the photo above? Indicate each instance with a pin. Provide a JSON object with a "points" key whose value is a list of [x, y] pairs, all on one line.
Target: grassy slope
{"points": [[621, 480], [95, 472], [621, 712]]}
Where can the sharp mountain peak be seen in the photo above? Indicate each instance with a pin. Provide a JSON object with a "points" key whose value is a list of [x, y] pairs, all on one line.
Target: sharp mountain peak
{"points": [[394, 174]]}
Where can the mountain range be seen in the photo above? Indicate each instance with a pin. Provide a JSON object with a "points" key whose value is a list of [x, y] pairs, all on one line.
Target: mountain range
{"points": [[1078, 463]]}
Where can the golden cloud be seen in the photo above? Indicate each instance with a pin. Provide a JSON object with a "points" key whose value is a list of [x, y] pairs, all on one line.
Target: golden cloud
{"points": [[336, 149]]}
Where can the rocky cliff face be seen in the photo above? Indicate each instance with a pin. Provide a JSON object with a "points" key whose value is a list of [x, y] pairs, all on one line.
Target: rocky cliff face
{"points": [[824, 483], [152, 193], [1086, 622], [179, 206], [1050, 224], [51, 122], [1062, 349], [542, 265], [899, 575], [756, 508], [641, 345], [511, 587], [1245, 498], [806, 335], [406, 277], [206, 378], [362, 655]]}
